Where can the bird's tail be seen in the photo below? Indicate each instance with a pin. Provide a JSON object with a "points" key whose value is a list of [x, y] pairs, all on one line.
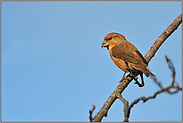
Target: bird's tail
{"points": [[147, 73]]}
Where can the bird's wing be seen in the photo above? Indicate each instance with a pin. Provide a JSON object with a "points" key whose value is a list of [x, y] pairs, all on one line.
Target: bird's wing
{"points": [[122, 51]]}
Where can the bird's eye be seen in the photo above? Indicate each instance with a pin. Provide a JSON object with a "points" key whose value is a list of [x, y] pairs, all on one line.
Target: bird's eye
{"points": [[109, 39]]}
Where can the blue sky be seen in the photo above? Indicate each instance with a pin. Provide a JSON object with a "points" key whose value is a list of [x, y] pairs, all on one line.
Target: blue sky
{"points": [[53, 67]]}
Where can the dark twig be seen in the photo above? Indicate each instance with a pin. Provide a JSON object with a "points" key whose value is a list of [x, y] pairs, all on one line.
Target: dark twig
{"points": [[170, 65], [150, 54], [158, 83], [90, 112], [162, 89]]}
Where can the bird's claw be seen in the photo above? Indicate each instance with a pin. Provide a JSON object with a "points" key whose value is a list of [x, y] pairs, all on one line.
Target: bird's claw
{"points": [[136, 82], [122, 77]]}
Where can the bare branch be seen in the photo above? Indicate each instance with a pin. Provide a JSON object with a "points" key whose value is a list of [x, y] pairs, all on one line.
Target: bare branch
{"points": [[90, 112], [170, 65], [150, 54], [158, 83], [126, 107], [162, 89]]}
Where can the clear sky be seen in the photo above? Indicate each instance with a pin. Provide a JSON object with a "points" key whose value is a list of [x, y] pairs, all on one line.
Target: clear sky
{"points": [[53, 67]]}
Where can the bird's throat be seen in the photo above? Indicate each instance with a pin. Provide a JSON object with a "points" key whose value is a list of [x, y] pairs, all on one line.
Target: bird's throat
{"points": [[112, 44]]}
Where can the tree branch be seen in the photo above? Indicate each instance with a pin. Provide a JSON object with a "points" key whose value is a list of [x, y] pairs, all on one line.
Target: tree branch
{"points": [[126, 107], [150, 54], [90, 112], [162, 89]]}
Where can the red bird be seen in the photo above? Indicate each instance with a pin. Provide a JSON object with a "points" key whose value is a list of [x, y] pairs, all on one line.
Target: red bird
{"points": [[126, 56]]}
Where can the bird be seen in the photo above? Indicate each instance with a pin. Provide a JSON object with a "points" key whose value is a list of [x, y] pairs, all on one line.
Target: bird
{"points": [[126, 56]]}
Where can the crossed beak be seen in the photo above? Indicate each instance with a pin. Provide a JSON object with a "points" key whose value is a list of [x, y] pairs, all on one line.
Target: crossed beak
{"points": [[105, 44]]}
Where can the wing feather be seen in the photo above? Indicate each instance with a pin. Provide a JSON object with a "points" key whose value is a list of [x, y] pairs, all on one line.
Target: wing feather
{"points": [[122, 51]]}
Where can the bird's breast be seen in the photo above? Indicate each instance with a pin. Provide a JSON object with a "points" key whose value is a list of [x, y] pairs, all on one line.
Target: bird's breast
{"points": [[119, 62]]}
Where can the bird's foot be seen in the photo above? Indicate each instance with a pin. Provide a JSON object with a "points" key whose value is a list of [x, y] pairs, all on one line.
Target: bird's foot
{"points": [[136, 82], [121, 80], [122, 77]]}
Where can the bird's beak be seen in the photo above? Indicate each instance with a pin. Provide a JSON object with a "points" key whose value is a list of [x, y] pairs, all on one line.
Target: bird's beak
{"points": [[105, 44]]}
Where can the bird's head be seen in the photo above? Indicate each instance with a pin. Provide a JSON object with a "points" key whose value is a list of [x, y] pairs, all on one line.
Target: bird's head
{"points": [[111, 39]]}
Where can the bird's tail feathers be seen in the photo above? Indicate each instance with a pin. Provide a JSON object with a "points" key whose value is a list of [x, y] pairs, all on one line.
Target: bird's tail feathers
{"points": [[147, 73]]}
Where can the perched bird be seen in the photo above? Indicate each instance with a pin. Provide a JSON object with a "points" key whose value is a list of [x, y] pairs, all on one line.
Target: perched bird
{"points": [[126, 56]]}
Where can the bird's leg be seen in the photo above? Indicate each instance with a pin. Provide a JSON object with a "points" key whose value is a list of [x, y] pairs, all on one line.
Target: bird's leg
{"points": [[122, 77], [127, 66], [128, 69], [140, 85], [135, 78], [131, 74]]}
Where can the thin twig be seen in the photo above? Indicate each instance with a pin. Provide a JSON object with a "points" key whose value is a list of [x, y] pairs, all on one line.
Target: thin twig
{"points": [[158, 83], [90, 112], [162, 89], [170, 65]]}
